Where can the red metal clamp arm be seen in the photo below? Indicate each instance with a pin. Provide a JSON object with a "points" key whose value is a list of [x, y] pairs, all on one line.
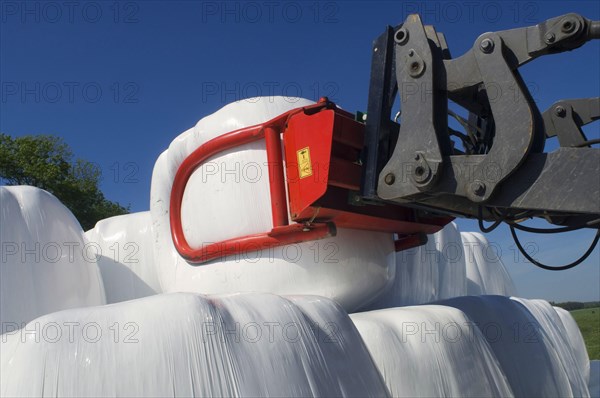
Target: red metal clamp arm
{"points": [[282, 233]]}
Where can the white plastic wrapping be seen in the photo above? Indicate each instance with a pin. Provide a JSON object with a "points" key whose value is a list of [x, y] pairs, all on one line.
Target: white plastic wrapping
{"points": [[431, 351], [46, 263], [486, 273], [533, 356], [428, 273], [229, 197], [561, 342], [127, 256], [256, 344], [576, 342], [190, 345]]}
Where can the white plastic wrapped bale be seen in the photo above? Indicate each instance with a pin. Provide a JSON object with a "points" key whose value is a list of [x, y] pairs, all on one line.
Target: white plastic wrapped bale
{"points": [[431, 351], [428, 273], [576, 342], [594, 383], [528, 347], [126, 256], [229, 197], [185, 344], [46, 265], [551, 322], [486, 273]]}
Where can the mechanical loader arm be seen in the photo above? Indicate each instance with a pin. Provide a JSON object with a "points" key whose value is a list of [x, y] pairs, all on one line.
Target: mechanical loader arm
{"points": [[500, 171], [330, 169]]}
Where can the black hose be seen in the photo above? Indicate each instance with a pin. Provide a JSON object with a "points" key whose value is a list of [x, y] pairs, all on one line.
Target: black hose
{"points": [[491, 227], [514, 226], [552, 230], [551, 268]]}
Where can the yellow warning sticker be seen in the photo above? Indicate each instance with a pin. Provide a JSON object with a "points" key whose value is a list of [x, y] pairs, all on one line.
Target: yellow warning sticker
{"points": [[304, 164]]}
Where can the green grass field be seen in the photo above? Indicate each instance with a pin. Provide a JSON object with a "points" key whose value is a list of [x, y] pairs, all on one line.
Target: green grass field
{"points": [[588, 321]]}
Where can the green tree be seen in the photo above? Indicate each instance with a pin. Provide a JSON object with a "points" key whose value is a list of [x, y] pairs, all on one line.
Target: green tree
{"points": [[47, 162]]}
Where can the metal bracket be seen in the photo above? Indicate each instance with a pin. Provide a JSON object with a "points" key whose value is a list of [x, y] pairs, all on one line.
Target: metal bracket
{"points": [[565, 118], [423, 140]]}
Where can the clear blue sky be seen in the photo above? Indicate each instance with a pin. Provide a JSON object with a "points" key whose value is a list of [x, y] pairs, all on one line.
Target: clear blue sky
{"points": [[120, 80]]}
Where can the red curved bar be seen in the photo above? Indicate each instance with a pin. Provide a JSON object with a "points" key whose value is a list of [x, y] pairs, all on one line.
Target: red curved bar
{"points": [[282, 233]]}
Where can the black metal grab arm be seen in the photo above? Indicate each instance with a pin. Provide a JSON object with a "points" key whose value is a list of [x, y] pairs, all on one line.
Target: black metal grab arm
{"points": [[502, 166]]}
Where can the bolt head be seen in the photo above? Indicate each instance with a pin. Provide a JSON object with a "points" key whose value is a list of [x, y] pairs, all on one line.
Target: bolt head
{"points": [[549, 38], [478, 188], [389, 179], [416, 69], [560, 111], [487, 46]]}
